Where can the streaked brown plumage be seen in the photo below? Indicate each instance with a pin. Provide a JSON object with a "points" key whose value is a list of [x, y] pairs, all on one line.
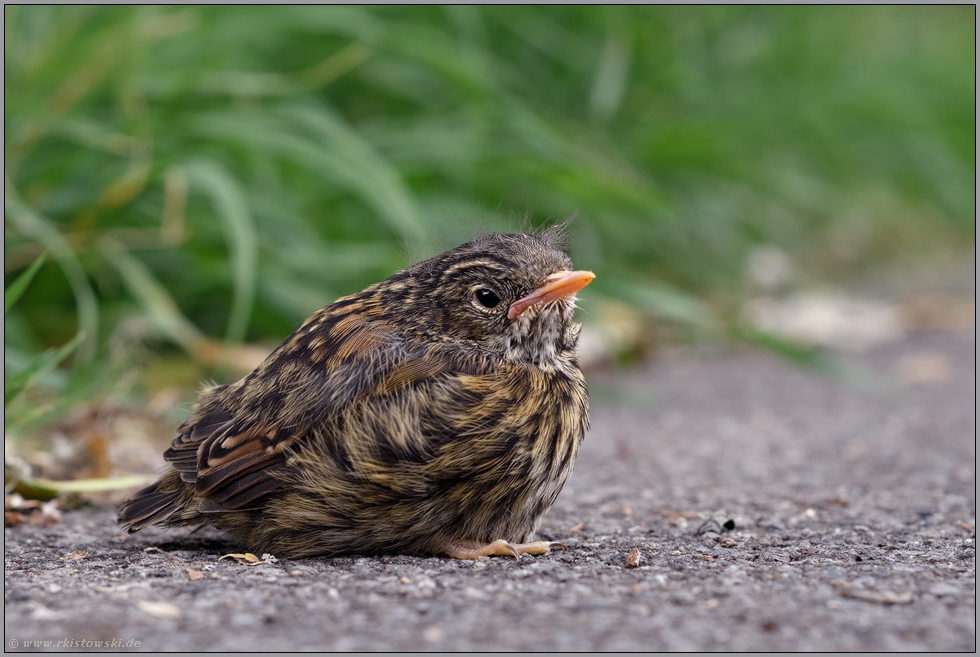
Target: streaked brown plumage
{"points": [[439, 411]]}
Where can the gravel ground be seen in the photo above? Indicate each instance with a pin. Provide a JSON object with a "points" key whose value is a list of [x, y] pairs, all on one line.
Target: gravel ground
{"points": [[854, 516]]}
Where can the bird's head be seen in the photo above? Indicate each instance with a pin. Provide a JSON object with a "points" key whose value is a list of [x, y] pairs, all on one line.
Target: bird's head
{"points": [[511, 294]]}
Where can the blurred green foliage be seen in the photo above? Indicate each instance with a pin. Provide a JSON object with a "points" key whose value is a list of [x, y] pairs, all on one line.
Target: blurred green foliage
{"points": [[217, 173]]}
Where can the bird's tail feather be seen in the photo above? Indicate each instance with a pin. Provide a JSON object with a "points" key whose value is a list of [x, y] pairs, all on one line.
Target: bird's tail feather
{"points": [[154, 504]]}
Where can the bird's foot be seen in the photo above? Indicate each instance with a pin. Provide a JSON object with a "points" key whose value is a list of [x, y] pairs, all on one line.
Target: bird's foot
{"points": [[499, 548]]}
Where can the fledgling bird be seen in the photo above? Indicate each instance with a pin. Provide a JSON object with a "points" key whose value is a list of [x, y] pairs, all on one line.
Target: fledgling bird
{"points": [[439, 411]]}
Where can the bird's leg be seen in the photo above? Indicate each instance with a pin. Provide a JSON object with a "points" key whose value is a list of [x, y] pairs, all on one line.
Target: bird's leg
{"points": [[500, 548]]}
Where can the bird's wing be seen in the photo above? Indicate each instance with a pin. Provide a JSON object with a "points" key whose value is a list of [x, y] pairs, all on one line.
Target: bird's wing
{"points": [[233, 452], [232, 465]]}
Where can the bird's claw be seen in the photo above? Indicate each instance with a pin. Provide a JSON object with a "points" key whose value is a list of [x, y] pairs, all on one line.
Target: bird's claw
{"points": [[505, 549]]}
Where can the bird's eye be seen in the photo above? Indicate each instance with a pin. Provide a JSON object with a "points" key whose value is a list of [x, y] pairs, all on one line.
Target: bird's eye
{"points": [[487, 298]]}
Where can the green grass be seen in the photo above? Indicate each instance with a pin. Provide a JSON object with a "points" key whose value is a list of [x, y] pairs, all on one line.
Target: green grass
{"points": [[220, 172]]}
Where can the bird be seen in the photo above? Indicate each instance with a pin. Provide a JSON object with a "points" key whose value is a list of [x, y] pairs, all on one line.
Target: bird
{"points": [[438, 412]]}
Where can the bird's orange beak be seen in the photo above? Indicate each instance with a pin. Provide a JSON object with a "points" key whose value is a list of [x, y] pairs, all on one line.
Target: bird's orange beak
{"points": [[559, 284]]}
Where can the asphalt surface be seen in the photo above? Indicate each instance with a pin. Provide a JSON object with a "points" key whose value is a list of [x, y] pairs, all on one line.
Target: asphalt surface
{"points": [[853, 511]]}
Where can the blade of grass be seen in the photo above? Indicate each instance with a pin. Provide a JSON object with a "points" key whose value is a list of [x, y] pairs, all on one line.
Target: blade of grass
{"points": [[611, 77], [46, 489], [91, 485], [19, 286], [230, 203], [15, 360], [36, 226], [335, 66], [335, 152], [153, 297], [379, 182], [39, 366]]}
